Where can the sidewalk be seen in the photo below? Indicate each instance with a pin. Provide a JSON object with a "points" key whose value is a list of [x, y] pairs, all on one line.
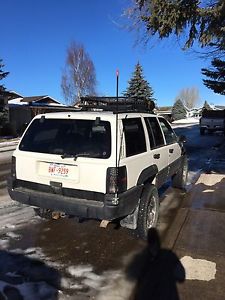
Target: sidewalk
{"points": [[8, 145], [197, 236]]}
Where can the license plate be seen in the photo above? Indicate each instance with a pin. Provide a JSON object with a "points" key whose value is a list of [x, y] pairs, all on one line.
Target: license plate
{"points": [[52, 169], [59, 170]]}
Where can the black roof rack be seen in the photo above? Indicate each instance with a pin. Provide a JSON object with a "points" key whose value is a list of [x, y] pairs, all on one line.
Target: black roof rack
{"points": [[116, 105]]}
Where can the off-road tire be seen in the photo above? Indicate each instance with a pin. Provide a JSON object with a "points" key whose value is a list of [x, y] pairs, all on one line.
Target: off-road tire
{"points": [[179, 180], [148, 211]]}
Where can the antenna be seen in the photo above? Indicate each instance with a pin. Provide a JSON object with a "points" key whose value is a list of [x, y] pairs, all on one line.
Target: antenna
{"points": [[117, 101]]}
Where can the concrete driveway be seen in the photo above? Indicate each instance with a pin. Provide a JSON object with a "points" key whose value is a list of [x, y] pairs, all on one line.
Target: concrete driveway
{"points": [[197, 235]]}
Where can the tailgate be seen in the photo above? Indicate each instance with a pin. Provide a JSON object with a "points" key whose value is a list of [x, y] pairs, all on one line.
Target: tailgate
{"points": [[81, 174]]}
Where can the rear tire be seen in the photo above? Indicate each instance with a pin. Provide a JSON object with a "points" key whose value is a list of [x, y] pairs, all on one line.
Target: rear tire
{"points": [[179, 180], [148, 211]]}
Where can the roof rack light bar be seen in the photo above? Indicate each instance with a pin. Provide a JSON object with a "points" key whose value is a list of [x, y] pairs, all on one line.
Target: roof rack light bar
{"points": [[116, 104]]}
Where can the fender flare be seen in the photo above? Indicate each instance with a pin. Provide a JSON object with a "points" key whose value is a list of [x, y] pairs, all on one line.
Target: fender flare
{"points": [[147, 174]]}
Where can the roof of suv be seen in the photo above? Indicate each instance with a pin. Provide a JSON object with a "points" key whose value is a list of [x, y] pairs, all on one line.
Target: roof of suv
{"points": [[91, 114]]}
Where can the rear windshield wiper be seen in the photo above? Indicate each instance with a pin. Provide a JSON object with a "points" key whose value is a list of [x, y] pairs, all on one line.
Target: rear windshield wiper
{"points": [[75, 156]]}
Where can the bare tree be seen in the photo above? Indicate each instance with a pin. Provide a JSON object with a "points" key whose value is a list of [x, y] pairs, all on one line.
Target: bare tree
{"points": [[189, 96], [79, 77]]}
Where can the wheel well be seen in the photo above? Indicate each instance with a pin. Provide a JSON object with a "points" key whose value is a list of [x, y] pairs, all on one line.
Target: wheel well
{"points": [[148, 175]]}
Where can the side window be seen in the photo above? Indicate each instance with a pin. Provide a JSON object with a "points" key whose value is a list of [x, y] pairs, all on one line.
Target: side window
{"points": [[169, 134], [134, 136], [154, 132]]}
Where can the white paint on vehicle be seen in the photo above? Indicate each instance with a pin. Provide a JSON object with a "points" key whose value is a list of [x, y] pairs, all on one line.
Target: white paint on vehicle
{"points": [[198, 269]]}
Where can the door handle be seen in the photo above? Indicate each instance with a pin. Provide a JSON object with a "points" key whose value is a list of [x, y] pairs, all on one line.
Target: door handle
{"points": [[156, 156], [171, 150]]}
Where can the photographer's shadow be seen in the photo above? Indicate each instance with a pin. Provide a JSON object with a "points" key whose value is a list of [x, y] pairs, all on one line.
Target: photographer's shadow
{"points": [[156, 271]]}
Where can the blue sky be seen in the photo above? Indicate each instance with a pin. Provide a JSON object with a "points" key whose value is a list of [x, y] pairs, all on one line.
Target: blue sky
{"points": [[35, 36]]}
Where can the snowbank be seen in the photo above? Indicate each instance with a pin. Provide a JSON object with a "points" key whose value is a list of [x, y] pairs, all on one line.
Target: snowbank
{"points": [[185, 122]]}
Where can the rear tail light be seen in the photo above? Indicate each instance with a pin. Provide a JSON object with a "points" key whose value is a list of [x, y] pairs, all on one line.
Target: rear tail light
{"points": [[116, 180], [13, 167]]}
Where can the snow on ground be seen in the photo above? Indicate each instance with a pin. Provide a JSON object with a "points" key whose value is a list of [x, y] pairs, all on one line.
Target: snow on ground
{"points": [[192, 178], [185, 122], [29, 273]]}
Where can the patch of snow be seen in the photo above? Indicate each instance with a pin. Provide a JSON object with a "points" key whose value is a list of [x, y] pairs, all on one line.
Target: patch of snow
{"points": [[190, 120], [117, 288], [67, 283], [193, 176], [198, 269], [79, 271], [13, 235], [37, 253], [94, 284], [9, 226], [4, 244], [15, 216]]}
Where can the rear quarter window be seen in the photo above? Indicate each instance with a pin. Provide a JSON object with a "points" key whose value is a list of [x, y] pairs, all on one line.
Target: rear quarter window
{"points": [[155, 133], [134, 136]]}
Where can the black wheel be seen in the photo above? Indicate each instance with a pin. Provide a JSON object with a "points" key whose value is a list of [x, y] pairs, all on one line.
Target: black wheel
{"points": [[179, 180], [148, 211], [43, 213], [202, 131]]}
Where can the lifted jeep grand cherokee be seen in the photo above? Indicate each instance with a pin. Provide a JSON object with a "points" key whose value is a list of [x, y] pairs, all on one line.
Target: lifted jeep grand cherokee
{"points": [[98, 164]]}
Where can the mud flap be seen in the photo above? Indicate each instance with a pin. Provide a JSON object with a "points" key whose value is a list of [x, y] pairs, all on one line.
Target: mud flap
{"points": [[130, 221]]}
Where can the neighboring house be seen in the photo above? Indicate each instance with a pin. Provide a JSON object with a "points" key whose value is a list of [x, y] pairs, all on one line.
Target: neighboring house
{"points": [[165, 111], [23, 109], [218, 107], [195, 112]]}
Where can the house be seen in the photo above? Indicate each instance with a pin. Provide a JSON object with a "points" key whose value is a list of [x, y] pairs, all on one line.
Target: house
{"points": [[21, 110], [165, 111]]}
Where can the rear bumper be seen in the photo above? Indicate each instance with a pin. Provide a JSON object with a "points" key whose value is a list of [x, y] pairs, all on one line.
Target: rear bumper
{"points": [[86, 208]]}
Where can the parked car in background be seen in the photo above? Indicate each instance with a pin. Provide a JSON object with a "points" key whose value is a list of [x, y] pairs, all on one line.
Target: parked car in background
{"points": [[211, 121]]}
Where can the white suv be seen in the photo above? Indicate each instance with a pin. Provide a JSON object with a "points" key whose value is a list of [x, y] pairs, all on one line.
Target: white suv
{"points": [[97, 164]]}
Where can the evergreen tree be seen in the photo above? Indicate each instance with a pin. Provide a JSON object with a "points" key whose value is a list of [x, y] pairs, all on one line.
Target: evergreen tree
{"points": [[2, 76], [3, 109], [197, 21], [206, 106], [138, 86], [216, 75], [178, 110], [194, 21]]}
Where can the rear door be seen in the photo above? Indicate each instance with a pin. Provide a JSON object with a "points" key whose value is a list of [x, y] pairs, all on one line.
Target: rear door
{"points": [[159, 151], [135, 158], [173, 147]]}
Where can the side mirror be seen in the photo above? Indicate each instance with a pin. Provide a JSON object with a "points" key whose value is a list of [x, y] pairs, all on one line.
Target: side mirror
{"points": [[182, 139]]}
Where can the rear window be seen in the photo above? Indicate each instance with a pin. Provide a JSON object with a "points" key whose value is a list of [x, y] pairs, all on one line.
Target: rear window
{"points": [[67, 137]]}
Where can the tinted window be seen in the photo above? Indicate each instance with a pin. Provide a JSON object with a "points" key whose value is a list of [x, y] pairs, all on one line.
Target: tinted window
{"points": [[69, 137], [169, 134], [154, 132], [134, 136]]}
